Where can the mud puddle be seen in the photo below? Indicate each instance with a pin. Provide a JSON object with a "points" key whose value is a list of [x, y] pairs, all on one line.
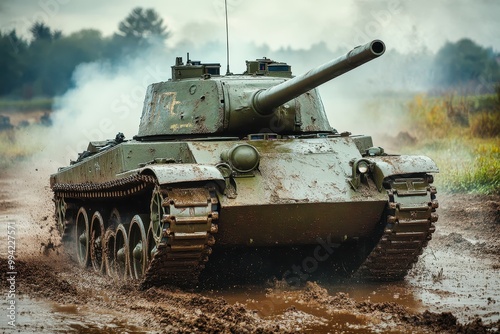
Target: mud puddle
{"points": [[458, 284], [319, 316], [37, 316]]}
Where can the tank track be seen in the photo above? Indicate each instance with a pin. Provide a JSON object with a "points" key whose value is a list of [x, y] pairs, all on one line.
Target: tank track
{"points": [[186, 233], [187, 237], [409, 227], [126, 186]]}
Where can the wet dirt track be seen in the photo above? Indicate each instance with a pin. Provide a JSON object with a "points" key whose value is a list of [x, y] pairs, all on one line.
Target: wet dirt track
{"points": [[455, 287]]}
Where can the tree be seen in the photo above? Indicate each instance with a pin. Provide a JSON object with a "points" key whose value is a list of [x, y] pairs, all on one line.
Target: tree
{"points": [[41, 32], [142, 27], [12, 51], [464, 63]]}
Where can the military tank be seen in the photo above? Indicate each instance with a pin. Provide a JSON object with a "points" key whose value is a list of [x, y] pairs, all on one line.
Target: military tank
{"points": [[244, 160]]}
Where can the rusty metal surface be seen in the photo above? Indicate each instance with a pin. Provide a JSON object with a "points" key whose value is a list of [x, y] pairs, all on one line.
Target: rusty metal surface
{"points": [[177, 108], [293, 171], [301, 186]]}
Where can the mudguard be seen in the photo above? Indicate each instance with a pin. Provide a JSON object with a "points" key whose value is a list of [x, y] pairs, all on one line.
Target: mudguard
{"points": [[386, 166], [172, 174]]}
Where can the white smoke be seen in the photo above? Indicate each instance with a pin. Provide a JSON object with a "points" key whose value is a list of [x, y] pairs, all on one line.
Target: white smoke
{"points": [[106, 99]]}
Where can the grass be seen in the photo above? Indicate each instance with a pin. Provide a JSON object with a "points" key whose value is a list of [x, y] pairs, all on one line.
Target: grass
{"points": [[467, 165], [11, 105], [462, 135]]}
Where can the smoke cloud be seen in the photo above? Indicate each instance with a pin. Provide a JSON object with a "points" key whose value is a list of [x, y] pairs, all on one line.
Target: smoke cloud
{"points": [[106, 99]]}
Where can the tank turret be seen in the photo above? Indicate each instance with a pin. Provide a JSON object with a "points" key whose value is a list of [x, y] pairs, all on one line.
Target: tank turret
{"points": [[197, 100]]}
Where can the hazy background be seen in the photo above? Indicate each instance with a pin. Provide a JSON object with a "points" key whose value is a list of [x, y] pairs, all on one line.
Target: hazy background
{"points": [[106, 99], [404, 25]]}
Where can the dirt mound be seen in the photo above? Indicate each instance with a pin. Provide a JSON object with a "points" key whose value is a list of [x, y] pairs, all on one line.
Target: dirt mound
{"points": [[205, 315], [41, 280]]}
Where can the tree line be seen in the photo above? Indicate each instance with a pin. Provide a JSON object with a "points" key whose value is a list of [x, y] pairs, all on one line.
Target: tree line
{"points": [[43, 65]]}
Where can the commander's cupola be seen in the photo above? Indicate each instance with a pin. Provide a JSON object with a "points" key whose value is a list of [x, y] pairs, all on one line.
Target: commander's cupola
{"points": [[194, 69], [268, 67]]}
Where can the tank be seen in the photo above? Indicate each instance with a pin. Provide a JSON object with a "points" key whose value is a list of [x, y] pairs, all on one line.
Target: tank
{"points": [[250, 161]]}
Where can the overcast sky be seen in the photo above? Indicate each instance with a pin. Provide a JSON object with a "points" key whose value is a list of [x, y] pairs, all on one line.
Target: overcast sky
{"points": [[279, 23]]}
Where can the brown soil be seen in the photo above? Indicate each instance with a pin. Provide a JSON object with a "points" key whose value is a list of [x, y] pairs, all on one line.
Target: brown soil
{"points": [[458, 292]]}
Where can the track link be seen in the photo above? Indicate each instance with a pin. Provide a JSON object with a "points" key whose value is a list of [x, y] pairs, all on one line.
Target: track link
{"points": [[409, 227]]}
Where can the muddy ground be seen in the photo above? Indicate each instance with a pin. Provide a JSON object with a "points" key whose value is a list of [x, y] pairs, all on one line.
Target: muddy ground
{"points": [[454, 288]]}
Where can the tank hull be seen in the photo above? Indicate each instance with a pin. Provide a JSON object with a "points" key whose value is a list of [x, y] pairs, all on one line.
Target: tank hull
{"points": [[299, 193], [176, 198]]}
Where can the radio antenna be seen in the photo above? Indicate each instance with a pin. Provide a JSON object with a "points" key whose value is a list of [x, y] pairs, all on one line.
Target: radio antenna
{"points": [[227, 41]]}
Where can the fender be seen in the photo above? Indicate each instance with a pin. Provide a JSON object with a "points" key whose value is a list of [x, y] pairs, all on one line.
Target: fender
{"points": [[390, 165], [179, 173]]}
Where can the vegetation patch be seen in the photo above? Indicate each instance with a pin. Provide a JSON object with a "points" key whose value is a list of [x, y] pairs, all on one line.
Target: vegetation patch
{"points": [[462, 135], [13, 106]]}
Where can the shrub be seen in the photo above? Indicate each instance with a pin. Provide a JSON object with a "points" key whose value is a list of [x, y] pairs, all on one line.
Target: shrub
{"points": [[485, 125]]}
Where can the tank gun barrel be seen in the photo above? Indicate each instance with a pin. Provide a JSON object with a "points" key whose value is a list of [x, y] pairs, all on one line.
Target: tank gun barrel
{"points": [[264, 101]]}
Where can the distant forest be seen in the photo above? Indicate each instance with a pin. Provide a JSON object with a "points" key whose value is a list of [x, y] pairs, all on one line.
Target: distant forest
{"points": [[43, 66]]}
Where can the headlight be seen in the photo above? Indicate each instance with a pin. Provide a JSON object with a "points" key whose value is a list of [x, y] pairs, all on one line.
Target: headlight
{"points": [[363, 167], [360, 169], [242, 158]]}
